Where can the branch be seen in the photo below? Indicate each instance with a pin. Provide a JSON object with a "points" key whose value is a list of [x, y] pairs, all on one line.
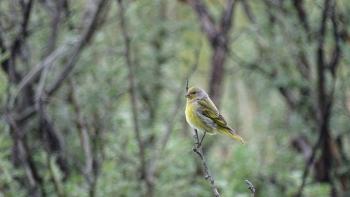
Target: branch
{"points": [[320, 90], [88, 31], [303, 64], [82, 127], [9, 64], [250, 187], [226, 18], [206, 20], [322, 109], [57, 183], [322, 34], [23, 156], [55, 9], [197, 148], [248, 11], [302, 15], [132, 92], [89, 26], [46, 63], [310, 161], [288, 96], [336, 54]]}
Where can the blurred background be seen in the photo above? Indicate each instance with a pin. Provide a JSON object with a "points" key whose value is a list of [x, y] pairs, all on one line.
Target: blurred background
{"points": [[92, 96]]}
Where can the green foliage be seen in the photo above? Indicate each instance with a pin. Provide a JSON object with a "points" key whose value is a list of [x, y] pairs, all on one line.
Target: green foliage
{"points": [[164, 41]]}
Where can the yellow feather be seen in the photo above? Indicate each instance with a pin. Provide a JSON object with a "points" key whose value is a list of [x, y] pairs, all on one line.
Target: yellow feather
{"points": [[232, 135], [194, 120]]}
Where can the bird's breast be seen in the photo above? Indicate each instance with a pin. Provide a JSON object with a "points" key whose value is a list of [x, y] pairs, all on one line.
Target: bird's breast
{"points": [[193, 119], [190, 114]]}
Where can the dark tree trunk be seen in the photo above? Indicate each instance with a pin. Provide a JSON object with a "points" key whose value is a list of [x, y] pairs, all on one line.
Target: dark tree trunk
{"points": [[217, 73]]}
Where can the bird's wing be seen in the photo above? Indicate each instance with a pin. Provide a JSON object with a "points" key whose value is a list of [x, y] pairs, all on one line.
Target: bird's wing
{"points": [[209, 111]]}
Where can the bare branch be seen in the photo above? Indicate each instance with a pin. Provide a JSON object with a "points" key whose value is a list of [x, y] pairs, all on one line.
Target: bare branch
{"points": [[336, 53], [9, 65], [324, 99], [288, 96], [133, 101], [88, 31], [197, 148], [50, 160], [250, 187], [302, 14], [248, 11], [226, 18], [310, 161], [55, 9], [82, 127], [206, 20], [47, 62], [22, 151]]}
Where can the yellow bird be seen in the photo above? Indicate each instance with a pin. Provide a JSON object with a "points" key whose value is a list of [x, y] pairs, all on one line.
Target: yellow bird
{"points": [[202, 114]]}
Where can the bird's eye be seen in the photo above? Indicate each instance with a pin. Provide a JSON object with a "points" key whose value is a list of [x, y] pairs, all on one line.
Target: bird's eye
{"points": [[193, 92]]}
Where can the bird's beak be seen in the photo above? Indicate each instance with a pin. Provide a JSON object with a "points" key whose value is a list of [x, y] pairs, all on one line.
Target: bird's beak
{"points": [[187, 95]]}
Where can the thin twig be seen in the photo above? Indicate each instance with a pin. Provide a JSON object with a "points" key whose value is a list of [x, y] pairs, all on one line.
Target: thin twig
{"points": [[250, 187], [57, 183], [85, 138], [315, 148], [197, 148], [132, 92], [47, 62]]}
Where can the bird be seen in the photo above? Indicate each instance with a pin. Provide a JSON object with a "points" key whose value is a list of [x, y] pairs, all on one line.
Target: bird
{"points": [[202, 114]]}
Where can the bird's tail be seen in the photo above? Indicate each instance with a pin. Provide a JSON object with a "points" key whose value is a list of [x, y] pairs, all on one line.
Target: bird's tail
{"points": [[233, 134]]}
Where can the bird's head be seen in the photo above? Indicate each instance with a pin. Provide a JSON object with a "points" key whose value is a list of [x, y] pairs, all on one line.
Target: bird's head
{"points": [[195, 93]]}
